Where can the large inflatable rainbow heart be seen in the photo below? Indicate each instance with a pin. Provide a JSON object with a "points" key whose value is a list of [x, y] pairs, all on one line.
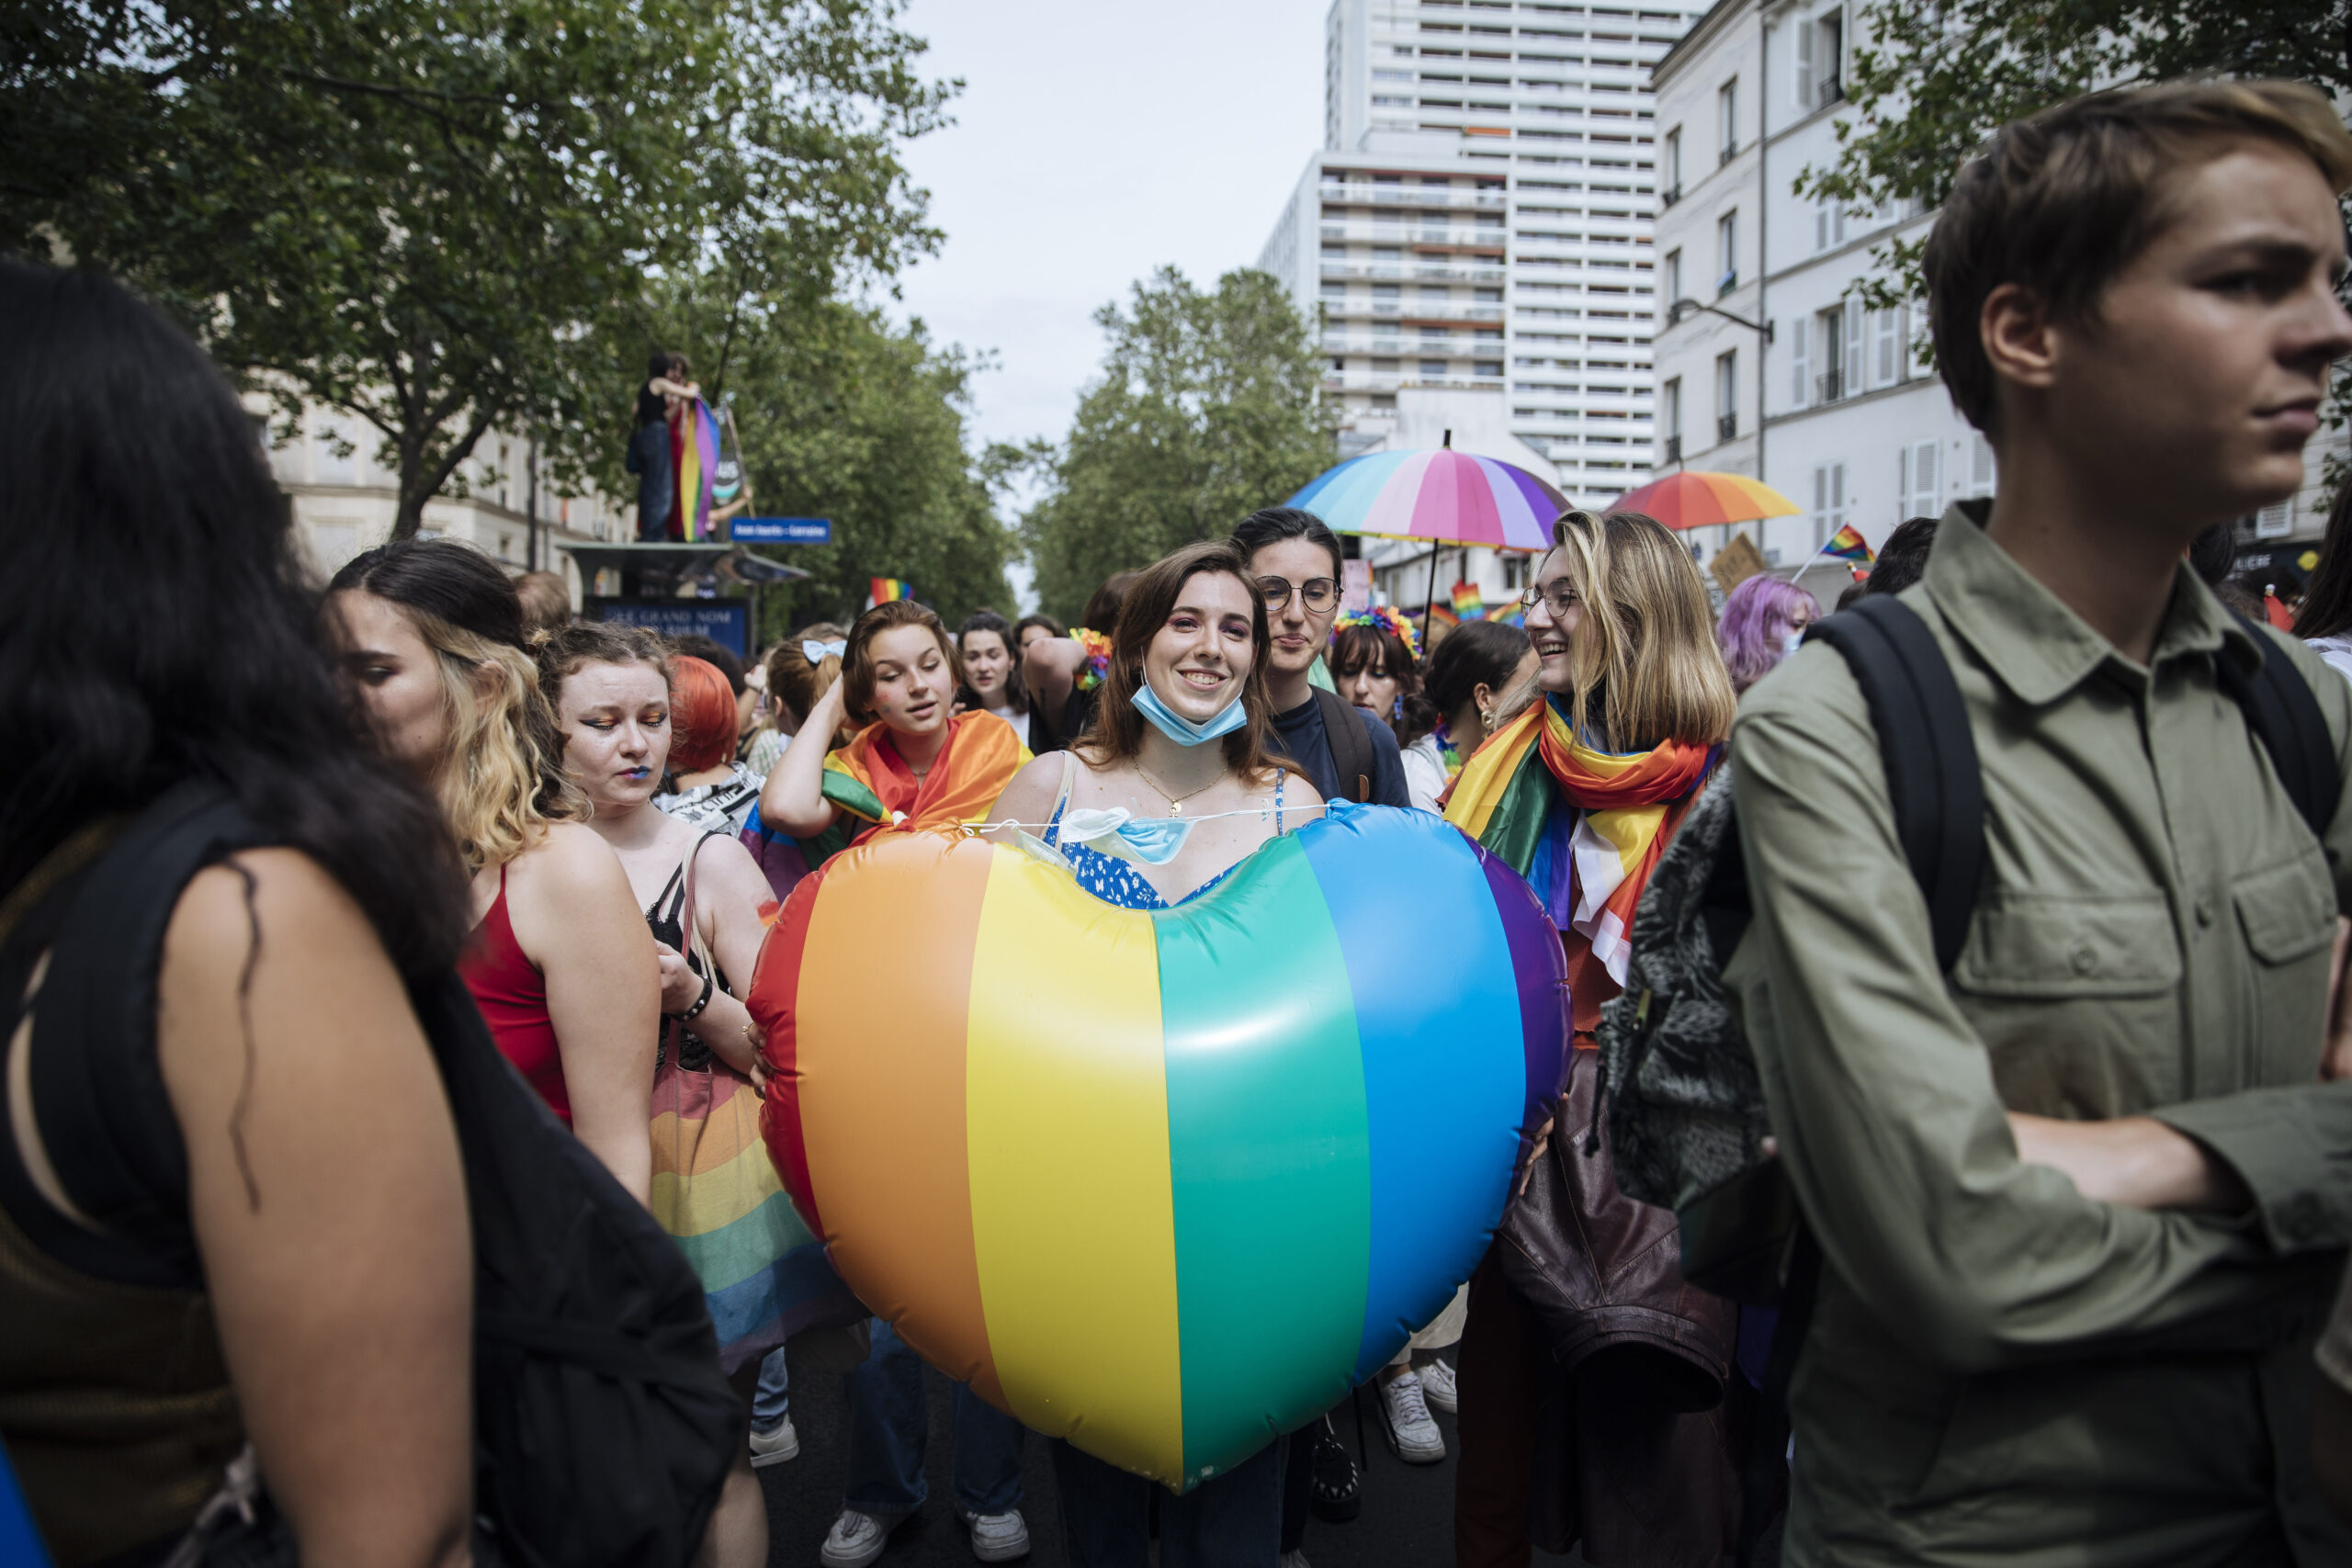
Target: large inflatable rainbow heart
{"points": [[1166, 1183]]}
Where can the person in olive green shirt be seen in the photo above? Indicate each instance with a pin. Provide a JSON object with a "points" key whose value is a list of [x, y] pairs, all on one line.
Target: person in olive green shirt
{"points": [[2084, 1199]]}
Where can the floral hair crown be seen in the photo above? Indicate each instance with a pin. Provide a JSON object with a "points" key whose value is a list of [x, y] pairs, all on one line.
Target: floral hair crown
{"points": [[1385, 618], [1097, 657]]}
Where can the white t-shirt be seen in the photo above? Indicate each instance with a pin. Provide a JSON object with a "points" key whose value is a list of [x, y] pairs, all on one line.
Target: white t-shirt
{"points": [[1020, 721]]}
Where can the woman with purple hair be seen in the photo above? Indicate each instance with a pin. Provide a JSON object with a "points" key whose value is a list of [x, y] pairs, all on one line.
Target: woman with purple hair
{"points": [[1762, 623]]}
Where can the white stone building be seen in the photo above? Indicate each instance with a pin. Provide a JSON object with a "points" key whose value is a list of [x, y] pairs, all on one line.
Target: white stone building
{"points": [[1478, 221], [1830, 404], [344, 503]]}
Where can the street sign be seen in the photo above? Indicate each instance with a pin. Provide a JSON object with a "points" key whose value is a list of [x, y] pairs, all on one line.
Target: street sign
{"points": [[783, 530]]}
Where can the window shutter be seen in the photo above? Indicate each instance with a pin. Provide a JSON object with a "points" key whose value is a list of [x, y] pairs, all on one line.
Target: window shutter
{"points": [[1980, 478], [1821, 227], [1801, 382], [1856, 346], [1805, 64], [1903, 485], [1888, 325]]}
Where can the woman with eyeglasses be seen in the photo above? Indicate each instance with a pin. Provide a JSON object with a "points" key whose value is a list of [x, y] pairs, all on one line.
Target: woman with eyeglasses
{"points": [[1345, 754], [1579, 793]]}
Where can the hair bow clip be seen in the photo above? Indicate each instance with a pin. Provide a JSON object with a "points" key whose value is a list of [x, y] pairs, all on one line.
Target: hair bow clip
{"points": [[815, 652]]}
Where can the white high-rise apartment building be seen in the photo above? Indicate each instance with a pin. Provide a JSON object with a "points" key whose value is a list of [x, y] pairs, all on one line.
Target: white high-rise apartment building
{"points": [[1480, 217]]}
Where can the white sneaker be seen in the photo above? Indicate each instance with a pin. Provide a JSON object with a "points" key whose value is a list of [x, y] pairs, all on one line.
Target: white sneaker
{"points": [[1437, 1387], [774, 1447], [997, 1537], [857, 1538], [1405, 1416]]}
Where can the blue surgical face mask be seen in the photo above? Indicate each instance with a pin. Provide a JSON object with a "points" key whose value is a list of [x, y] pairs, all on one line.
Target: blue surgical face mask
{"points": [[1116, 831], [1791, 643], [1182, 730]]}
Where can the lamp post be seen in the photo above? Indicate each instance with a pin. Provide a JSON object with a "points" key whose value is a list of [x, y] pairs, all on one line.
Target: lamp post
{"points": [[1678, 309]]}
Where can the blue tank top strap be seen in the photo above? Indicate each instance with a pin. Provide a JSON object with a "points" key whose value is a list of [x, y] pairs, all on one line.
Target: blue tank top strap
{"points": [[1280, 775]]}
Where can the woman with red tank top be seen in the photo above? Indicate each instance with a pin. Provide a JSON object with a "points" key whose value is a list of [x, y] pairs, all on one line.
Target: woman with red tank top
{"points": [[429, 641]]}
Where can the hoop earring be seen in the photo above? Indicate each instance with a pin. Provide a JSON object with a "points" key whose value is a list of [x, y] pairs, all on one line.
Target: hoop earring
{"points": [[1486, 720]]}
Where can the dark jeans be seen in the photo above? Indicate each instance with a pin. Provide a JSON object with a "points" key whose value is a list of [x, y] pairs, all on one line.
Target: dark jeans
{"points": [[1233, 1521], [889, 1433], [657, 482]]}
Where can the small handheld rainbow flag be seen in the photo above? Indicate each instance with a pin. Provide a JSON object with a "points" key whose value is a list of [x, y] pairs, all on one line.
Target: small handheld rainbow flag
{"points": [[886, 589], [1847, 544], [1466, 602]]}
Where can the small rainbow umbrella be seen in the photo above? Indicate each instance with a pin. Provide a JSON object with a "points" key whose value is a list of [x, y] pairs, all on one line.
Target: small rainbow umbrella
{"points": [[1695, 500], [1440, 497]]}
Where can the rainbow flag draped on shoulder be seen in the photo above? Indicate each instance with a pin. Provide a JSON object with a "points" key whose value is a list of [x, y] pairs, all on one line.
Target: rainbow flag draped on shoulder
{"points": [[876, 791], [1588, 865]]}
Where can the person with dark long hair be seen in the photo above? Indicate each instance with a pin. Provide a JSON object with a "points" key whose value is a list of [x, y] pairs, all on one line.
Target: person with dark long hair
{"points": [[1065, 672], [1375, 662], [263, 1239], [1181, 734], [992, 680], [428, 637], [1475, 676]]}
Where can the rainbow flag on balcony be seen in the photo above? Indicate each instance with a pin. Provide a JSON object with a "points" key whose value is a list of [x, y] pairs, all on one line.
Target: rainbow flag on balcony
{"points": [[1847, 544], [886, 589]]}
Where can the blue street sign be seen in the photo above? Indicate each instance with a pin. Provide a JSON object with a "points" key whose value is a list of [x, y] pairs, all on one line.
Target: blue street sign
{"points": [[782, 531]]}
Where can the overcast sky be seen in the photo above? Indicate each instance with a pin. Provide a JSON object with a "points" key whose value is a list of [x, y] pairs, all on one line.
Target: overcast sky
{"points": [[1094, 141]]}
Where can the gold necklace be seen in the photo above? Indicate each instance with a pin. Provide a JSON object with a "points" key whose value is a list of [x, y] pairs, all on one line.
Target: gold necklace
{"points": [[1176, 802]]}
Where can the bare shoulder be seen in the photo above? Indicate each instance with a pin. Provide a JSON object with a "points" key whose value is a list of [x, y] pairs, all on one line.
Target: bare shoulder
{"points": [[305, 914], [1033, 789], [727, 864], [1297, 791], [571, 859]]}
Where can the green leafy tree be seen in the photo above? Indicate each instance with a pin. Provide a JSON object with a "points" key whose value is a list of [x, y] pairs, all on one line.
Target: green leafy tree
{"points": [[1207, 410], [1932, 83], [442, 215]]}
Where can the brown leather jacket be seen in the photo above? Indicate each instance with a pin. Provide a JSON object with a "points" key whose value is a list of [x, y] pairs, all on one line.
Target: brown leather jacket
{"points": [[1604, 1275]]}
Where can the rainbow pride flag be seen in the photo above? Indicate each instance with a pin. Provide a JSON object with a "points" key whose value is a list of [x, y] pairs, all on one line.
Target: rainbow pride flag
{"points": [[716, 1192], [1847, 544], [694, 456], [1467, 603], [886, 590]]}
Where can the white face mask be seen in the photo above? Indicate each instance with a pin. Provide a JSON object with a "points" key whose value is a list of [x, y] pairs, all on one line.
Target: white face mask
{"points": [[1791, 643]]}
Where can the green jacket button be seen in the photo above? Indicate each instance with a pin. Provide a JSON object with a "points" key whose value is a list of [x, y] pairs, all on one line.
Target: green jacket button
{"points": [[2085, 958]]}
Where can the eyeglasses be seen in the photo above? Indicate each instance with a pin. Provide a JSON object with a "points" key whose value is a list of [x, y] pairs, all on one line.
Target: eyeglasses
{"points": [[1559, 599], [1317, 593]]}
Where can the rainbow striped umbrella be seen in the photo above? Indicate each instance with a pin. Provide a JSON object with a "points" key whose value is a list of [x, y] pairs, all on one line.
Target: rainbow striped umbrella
{"points": [[1695, 500], [1440, 497]]}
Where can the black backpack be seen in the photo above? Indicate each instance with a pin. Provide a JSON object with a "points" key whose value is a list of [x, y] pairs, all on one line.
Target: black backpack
{"points": [[603, 1424], [1350, 745], [1686, 1117]]}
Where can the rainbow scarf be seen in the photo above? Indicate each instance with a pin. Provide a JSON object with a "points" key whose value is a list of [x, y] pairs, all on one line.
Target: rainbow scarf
{"points": [[1592, 874], [715, 1190], [870, 782], [693, 458]]}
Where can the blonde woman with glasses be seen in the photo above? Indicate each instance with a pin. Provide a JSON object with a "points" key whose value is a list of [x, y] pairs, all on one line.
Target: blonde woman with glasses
{"points": [[429, 641]]}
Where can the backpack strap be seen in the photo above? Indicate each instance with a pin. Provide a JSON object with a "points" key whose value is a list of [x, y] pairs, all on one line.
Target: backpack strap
{"points": [[1351, 746], [2284, 715], [1932, 777]]}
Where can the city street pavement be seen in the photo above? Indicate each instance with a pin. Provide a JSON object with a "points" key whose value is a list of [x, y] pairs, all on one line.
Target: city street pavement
{"points": [[1408, 1519]]}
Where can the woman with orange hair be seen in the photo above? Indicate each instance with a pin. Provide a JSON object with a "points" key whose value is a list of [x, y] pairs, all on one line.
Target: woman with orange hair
{"points": [[709, 788]]}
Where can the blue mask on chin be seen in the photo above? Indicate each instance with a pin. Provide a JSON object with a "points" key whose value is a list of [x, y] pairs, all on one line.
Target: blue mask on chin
{"points": [[1182, 730]]}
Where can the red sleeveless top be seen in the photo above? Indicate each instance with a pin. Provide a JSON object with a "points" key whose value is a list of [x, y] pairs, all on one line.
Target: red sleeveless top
{"points": [[513, 996]]}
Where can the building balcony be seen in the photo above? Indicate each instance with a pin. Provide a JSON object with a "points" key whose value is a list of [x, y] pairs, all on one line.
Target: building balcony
{"points": [[1673, 449], [1393, 381], [1414, 233], [1829, 387], [1410, 310], [1362, 193], [1726, 283], [1426, 272], [1727, 427], [1729, 150], [1669, 196]]}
